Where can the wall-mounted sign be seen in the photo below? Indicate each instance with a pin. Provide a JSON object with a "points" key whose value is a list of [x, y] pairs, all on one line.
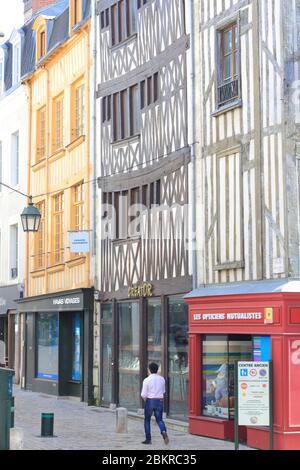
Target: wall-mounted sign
{"points": [[66, 301], [247, 315], [145, 290], [79, 242], [254, 394], [269, 316]]}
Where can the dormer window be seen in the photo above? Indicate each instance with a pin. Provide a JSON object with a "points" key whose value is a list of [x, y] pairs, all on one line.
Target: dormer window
{"points": [[1, 76], [40, 28], [42, 44], [16, 64], [75, 12], [15, 42]]}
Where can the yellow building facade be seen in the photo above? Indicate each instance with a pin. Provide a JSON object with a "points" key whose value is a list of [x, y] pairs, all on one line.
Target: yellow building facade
{"points": [[59, 303], [59, 161]]}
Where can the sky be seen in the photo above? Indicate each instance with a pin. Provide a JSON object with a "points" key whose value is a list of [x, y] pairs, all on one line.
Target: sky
{"points": [[11, 16]]}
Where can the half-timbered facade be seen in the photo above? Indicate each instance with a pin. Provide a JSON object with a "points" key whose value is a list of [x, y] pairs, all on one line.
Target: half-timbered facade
{"points": [[247, 173], [143, 160]]}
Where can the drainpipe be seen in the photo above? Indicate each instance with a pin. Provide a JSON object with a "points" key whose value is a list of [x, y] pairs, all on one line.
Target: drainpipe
{"points": [[93, 137], [192, 136]]}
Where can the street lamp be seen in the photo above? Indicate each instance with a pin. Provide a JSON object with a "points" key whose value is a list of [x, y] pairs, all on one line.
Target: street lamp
{"points": [[31, 216]]}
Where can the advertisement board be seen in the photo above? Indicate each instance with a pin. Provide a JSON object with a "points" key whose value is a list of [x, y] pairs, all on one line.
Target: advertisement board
{"points": [[253, 394]]}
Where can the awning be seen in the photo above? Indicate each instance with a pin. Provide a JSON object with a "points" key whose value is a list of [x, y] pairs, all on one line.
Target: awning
{"points": [[241, 288], [8, 295]]}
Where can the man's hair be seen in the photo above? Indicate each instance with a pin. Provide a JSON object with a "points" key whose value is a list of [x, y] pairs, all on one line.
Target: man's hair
{"points": [[153, 367]]}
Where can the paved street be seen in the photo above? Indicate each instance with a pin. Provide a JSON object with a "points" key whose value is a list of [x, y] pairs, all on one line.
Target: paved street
{"points": [[79, 427]]}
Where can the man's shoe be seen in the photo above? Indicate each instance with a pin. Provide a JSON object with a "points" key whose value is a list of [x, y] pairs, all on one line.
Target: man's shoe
{"points": [[147, 442], [165, 437]]}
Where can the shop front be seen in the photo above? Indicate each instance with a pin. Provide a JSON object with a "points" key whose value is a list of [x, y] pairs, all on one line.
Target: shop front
{"points": [[138, 330], [258, 321], [59, 343], [9, 328]]}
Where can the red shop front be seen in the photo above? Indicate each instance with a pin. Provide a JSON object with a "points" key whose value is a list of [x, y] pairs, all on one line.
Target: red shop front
{"points": [[257, 321]]}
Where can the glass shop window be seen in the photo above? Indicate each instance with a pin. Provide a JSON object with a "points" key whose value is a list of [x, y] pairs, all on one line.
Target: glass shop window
{"points": [[219, 354], [47, 346]]}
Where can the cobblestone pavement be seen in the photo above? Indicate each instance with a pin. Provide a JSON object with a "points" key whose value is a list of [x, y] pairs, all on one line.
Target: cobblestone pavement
{"points": [[80, 427]]}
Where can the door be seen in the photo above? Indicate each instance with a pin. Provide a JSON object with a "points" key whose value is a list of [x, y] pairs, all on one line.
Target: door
{"points": [[70, 354], [107, 356], [30, 351]]}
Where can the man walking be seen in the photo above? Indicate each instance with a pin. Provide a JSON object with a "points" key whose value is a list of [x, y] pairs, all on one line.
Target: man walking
{"points": [[154, 388]]}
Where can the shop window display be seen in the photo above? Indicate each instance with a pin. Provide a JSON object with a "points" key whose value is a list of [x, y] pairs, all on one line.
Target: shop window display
{"points": [[178, 360], [219, 355], [129, 355], [47, 346]]}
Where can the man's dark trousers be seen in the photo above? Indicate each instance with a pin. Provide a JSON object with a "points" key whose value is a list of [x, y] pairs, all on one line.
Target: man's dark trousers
{"points": [[155, 406]]}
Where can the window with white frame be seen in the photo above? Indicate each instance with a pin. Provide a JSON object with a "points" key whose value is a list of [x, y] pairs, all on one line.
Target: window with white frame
{"points": [[15, 150], [16, 63], [1, 76], [14, 250], [0, 166]]}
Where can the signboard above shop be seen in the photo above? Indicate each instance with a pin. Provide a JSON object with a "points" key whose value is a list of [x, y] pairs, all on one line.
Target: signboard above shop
{"points": [[259, 316]]}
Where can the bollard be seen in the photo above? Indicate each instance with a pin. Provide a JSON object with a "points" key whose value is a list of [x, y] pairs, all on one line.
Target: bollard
{"points": [[12, 412], [47, 425], [16, 439], [121, 420]]}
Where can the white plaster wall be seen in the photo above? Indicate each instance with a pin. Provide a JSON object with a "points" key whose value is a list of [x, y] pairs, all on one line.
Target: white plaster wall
{"points": [[13, 118]]}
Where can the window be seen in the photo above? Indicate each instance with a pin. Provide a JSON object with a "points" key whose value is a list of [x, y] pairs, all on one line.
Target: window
{"points": [[41, 134], [1, 175], [123, 20], [219, 354], [106, 109], [39, 258], [140, 3], [58, 123], [42, 44], [78, 207], [228, 66], [75, 12], [125, 115], [128, 214], [77, 111], [149, 90], [14, 249], [58, 229], [1, 77], [47, 346], [105, 18], [15, 159], [16, 64], [178, 357], [129, 354]]}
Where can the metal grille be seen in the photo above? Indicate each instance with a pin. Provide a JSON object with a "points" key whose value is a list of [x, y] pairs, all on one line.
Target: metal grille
{"points": [[228, 92]]}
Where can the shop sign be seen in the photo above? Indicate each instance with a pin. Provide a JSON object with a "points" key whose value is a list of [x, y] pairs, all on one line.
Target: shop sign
{"points": [[79, 242], [144, 290], [206, 317], [66, 301], [254, 393], [269, 316]]}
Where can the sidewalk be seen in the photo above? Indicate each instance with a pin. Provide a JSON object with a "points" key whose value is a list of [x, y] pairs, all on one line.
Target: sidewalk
{"points": [[80, 427]]}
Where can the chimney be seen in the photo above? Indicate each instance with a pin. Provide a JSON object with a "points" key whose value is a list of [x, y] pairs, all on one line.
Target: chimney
{"points": [[32, 6]]}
